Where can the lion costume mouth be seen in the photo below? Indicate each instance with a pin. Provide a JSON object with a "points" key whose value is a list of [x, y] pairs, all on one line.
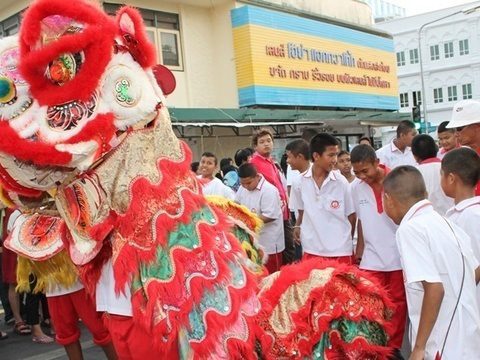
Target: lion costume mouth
{"points": [[68, 115]]}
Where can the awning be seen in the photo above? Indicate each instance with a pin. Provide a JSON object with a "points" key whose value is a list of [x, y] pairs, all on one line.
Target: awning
{"points": [[240, 118]]}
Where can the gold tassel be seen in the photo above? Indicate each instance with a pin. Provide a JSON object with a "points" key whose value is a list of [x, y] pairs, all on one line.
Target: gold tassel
{"points": [[58, 270], [237, 211]]}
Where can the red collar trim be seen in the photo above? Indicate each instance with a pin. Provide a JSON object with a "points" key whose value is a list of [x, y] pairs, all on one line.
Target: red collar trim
{"points": [[431, 160], [379, 194]]}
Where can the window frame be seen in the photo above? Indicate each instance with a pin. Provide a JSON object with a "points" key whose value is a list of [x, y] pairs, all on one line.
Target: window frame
{"points": [[467, 94], [434, 55], [404, 100], [452, 94], [417, 98], [448, 50], [401, 61], [463, 47], [415, 58], [438, 95]]}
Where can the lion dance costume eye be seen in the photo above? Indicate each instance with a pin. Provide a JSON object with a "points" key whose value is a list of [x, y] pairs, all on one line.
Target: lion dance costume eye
{"points": [[88, 153]]}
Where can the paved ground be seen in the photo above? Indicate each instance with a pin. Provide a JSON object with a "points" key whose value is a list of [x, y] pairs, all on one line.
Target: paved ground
{"points": [[21, 347], [18, 347]]}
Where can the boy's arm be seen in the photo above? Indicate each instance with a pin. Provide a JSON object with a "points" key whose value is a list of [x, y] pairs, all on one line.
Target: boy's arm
{"points": [[477, 275], [360, 243], [432, 300], [296, 228], [352, 218]]}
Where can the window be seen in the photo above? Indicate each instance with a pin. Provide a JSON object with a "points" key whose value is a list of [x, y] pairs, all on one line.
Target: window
{"points": [[163, 29], [10, 26], [463, 45], [448, 47], [467, 91], [417, 98], [401, 58], [414, 56], [452, 93], [404, 100], [434, 52], [438, 95]]}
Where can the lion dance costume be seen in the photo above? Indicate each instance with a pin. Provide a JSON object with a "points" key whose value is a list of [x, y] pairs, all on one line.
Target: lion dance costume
{"points": [[88, 155]]}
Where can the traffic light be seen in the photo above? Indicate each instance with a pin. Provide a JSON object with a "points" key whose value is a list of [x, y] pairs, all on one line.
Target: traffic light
{"points": [[417, 116]]}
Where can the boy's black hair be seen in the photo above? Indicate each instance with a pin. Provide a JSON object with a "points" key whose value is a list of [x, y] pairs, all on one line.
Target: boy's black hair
{"points": [[405, 127], [363, 153], [405, 183], [242, 155], [443, 128], [320, 142], [463, 162], [343, 152], [299, 147], [225, 162], [365, 138], [194, 166], [308, 134], [424, 147], [247, 170], [210, 155]]}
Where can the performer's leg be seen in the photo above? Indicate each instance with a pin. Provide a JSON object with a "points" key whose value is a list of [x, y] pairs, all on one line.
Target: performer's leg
{"points": [[85, 308], [65, 317], [274, 262], [74, 351]]}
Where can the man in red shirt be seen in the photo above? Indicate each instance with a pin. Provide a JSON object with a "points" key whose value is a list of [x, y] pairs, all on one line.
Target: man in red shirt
{"points": [[466, 120], [262, 142]]}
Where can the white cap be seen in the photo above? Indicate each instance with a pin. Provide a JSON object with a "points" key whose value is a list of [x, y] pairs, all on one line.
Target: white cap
{"points": [[465, 112]]}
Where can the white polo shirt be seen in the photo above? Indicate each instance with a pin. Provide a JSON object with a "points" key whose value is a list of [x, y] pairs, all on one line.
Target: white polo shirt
{"points": [[107, 299], [325, 229], [391, 156], [292, 176], [466, 214], [430, 170], [216, 187], [381, 252], [265, 200], [429, 252]]}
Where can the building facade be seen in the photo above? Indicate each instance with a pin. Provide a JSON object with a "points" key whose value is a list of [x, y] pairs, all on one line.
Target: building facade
{"points": [[285, 63], [450, 54], [384, 10]]}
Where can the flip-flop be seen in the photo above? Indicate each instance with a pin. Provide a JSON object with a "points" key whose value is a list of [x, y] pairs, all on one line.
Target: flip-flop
{"points": [[43, 339], [3, 335], [22, 329]]}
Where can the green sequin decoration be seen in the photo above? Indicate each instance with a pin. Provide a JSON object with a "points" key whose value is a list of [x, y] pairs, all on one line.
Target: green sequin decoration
{"points": [[121, 88], [184, 236]]}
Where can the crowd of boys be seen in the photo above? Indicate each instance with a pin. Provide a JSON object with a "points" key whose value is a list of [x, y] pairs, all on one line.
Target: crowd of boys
{"points": [[413, 208]]}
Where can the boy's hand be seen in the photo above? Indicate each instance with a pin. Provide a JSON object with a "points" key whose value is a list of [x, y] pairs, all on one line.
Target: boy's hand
{"points": [[296, 234], [417, 354]]}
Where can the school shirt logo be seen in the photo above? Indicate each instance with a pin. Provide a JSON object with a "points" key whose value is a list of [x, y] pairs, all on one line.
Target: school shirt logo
{"points": [[334, 204]]}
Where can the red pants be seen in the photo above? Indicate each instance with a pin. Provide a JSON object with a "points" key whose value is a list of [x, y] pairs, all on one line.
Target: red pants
{"points": [[392, 281], [341, 259], [274, 262], [65, 310], [130, 341]]}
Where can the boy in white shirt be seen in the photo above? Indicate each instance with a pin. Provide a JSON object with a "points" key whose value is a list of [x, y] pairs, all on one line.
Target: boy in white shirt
{"points": [[263, 199], [377, 250], [460, 175], [425, 152], [440, 272], [298, 159], [210, 184], [323, 199], [398, 151]]}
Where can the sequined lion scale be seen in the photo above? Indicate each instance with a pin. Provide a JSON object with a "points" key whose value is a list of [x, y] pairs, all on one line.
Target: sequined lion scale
{"points": [[89, 155]]}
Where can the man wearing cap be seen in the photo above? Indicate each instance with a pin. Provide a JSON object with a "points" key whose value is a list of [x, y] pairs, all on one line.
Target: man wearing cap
{"points": [[466, 120]]}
